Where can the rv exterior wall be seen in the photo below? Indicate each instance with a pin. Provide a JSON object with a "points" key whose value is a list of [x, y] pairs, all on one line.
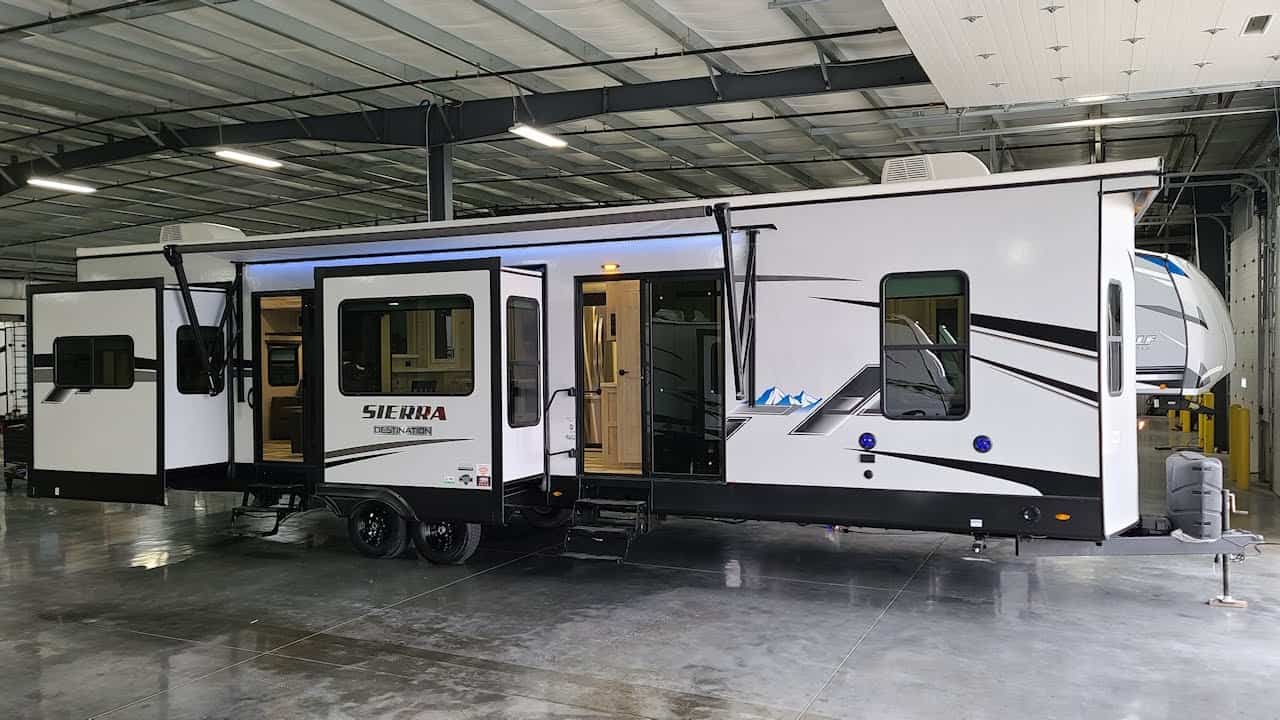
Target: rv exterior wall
{"points": [[195, 432], [1117, 432]]}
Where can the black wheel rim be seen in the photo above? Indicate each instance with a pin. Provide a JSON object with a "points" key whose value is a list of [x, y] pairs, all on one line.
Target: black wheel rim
{"points": [[545, 512], [443, 537], [374, 526]]}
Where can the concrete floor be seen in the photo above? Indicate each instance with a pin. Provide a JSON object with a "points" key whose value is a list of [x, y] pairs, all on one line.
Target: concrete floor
{"points": [[140, 612]]}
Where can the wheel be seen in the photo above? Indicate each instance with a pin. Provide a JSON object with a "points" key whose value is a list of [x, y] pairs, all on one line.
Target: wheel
{"points": [[546, 517], [446, 542], [377, 530]]}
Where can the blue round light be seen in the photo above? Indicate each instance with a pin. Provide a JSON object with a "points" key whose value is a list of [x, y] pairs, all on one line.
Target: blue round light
{"points": [[982, 443], [867, 441]]}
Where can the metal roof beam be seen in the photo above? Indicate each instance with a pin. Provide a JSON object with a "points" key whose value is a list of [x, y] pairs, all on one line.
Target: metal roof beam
{"points": [[678, 31], [411, 126]]}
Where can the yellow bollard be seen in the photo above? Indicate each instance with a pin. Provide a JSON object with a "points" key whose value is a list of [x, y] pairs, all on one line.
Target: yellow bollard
{"points": [[1173, 419], [1206, 424], [1184, 420], [1238, 459]]}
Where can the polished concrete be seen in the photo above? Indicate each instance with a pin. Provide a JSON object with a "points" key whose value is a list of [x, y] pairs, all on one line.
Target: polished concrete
{"points": [[140, 612]]}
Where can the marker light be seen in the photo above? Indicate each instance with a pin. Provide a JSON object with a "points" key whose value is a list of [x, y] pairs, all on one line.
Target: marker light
{"points": [[866, 441], [48, 184], [1062, 517], [982, 444], [610, 267], [245, 158], [538, 136]]}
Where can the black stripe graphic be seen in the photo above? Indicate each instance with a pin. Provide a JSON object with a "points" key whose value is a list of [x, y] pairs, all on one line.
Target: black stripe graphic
{"points": [[1059, 384], [864, 303], [1175, 314], [827, 417], [388, 445], [336, 463], [45, 360], [731, 426], [1048, 482], [801, 278], [1058, 334]]}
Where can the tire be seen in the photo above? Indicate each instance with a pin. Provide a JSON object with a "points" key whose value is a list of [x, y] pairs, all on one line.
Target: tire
{"points": [[545, 518], [376, 530], [447, 542]]}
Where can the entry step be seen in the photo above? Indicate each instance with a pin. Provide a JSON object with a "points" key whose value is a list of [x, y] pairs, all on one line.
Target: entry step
{"points": [[604, 528]]}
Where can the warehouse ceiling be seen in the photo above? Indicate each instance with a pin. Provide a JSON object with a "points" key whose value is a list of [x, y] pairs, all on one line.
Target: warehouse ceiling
{"points": [[78, 74]]}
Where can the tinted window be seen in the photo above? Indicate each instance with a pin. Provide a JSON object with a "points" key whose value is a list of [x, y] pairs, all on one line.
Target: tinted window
{"points": [[524, 363], [282, 365], [191, 379], [1115, 340], [925, 353], [87, 363], [406, 346]]}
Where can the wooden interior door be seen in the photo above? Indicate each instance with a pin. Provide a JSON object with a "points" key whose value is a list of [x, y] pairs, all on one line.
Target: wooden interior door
{"points": [[624, 302]]}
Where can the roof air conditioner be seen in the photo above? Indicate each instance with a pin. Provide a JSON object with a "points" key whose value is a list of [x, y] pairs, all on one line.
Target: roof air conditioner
{"points": [[937, 166], [189, 233]]}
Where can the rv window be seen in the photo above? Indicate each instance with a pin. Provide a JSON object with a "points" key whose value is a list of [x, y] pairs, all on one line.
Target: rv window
{"points": [[406, 346], [91, 363], [1115, 341], [191, 379], [282, 365], [524, 363], [925, 346]]}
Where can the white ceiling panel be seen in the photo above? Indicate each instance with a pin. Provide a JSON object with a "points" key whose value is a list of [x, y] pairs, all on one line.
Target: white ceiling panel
{"points": [[1001, 52]]}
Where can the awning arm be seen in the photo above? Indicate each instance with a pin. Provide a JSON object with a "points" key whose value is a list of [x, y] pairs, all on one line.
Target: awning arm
{"points": [[174, 257], [725, 224]]}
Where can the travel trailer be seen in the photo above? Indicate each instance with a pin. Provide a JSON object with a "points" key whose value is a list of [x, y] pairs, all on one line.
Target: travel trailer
{"points": [[861, 356]]}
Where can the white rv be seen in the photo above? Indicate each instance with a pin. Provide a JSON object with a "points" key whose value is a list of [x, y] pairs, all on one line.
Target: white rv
{"points": [[860, 356]]}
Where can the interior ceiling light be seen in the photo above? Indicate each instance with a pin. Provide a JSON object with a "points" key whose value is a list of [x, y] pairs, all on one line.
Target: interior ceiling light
{"points": [[1093, 98], [61, 185], [245, 158], [538, 136]]}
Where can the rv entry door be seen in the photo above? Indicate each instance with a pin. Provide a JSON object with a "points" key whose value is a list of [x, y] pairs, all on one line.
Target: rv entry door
{"points": [[96, 399], [410, 363]]}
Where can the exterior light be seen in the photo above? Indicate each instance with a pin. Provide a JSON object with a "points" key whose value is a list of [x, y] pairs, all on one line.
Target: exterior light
{"points": [[538, 136], [866, 441], [245, 158], [611, 267], [48, 184], [982, 444]]}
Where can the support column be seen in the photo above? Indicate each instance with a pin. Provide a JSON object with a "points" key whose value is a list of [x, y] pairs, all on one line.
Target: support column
{"points": [[440, 182]]}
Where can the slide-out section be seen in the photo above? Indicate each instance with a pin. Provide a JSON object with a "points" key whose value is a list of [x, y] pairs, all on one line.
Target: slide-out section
{"points": [[97, 397], [411, 362]]}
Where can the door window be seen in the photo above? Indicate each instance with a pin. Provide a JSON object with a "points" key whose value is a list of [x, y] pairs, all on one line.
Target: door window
{"points": [[406, 346]]}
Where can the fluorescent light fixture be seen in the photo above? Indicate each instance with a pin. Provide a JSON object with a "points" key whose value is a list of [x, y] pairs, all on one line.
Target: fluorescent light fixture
{"points": [[538, 136], [48, 184], [265, 163], [1093, 98]]}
